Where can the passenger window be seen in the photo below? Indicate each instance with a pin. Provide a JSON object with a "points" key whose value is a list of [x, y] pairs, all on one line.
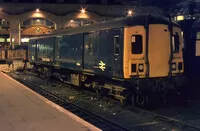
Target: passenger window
{"points": [[136, 43], [176, 43], [116, 45], [90, 46], [88, 41]]}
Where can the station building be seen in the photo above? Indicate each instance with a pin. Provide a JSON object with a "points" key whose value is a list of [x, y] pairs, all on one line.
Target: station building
{"points": [[19, 19]]}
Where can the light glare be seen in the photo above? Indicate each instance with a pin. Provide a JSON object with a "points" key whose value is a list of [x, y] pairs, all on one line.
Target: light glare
{"points": [[37, 10], [180, 17], [130, 12], [25, 40], [82, 10]]}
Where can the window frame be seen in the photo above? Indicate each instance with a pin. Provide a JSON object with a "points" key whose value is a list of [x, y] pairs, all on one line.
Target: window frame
{"points": [[133, 51]]}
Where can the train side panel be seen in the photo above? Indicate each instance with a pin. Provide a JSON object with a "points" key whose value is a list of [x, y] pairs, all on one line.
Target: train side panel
{"points": [[45, 51], [103, 52], [68, 52], [195, 49], [32, 51]]}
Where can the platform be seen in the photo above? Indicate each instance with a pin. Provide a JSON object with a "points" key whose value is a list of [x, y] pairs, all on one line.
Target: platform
{"points": [[21, 109]]}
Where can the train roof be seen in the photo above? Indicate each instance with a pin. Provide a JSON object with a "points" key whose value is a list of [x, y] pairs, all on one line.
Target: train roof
{"points": [[138, 19]]}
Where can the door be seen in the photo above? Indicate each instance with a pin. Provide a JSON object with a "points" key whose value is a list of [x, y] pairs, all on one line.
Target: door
{"points": [[159, 50], [117, 53]]}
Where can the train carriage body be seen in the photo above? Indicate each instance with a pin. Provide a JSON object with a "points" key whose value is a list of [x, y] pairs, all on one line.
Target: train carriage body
{"points": [[193, 50], [141, 47]]}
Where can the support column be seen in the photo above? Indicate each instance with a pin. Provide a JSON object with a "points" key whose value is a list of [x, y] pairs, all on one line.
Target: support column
{"points": [[59, 25], [15, 33]]}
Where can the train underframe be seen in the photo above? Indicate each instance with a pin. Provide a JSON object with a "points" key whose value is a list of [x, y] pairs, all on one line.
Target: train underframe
{"points": [[140, 92]]}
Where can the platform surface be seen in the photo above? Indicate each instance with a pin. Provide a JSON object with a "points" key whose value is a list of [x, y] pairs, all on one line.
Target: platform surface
{"points": [[21, 109]]}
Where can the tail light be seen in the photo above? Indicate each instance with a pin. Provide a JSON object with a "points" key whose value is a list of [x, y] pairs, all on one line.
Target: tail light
{"points": [[141, 67], [173, 66]]}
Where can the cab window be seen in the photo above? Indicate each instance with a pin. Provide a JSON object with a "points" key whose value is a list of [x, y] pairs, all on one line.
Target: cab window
{"points": [[136, 44], [176, 43]]}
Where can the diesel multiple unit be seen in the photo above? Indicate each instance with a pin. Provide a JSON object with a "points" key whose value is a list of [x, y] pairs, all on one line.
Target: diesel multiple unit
{"points": [[129, 58]]}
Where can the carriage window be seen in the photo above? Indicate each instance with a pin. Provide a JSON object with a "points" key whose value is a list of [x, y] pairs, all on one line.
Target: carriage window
{"points": [[90, 49], [198, 35], [88, 41], [136, 43], [2, 39], [176, 43], [116, 44]]}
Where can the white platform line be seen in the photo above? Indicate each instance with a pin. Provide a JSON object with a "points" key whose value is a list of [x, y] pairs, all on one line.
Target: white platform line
{"points": [[59, 108]]}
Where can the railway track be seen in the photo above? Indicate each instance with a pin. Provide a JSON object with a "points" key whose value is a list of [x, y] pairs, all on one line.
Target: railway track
{"points": [[176, 124], [96, 120], [108, 125]]}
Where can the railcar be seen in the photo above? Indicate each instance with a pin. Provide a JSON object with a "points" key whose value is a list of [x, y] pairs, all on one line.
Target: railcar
{"points": [[191, 29], [191, 56], [193, 50], [131, 59], [189, 48]]}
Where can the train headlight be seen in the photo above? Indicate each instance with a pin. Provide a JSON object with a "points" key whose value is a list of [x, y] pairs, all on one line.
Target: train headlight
{"points": [[141, 67], [173, 66]]}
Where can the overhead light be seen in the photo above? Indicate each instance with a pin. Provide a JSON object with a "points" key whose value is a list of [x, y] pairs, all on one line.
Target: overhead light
{"points": [[180, 17], [82, 10], [8, 40], [130, 12], [37, 10], [25, 40]]}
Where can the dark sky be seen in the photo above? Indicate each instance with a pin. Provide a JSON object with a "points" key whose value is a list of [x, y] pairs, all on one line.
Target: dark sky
{"points": [[165, 4]]}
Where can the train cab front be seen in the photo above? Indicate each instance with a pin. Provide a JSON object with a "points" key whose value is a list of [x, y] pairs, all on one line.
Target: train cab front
{"points": [[153, 59], [176, 68]]}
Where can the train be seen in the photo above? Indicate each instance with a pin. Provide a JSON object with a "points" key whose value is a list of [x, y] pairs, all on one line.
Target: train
{"points": [[195, 43], [191, 54], [136, 59]]}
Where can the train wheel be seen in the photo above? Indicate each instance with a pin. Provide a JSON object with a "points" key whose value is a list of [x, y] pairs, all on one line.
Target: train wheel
{"points": [[133, 100], [164, 96], [141, 99]]}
